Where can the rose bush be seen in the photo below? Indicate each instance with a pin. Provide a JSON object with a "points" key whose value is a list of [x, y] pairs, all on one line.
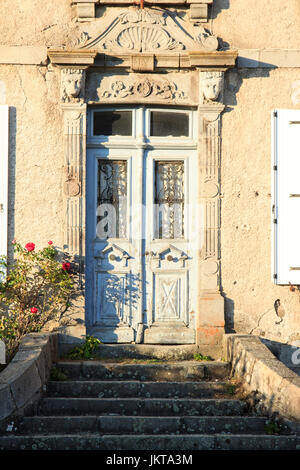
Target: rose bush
{"points": [[36, 289]]}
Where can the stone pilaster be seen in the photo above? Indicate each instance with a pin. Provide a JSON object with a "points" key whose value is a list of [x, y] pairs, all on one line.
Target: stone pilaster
{"points": [[210, 324], [74, 119]]}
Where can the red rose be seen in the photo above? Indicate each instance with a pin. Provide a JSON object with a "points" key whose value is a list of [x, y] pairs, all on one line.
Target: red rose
{"points": [[34, 310], [50, 242], [66, 266], [30, 246]]}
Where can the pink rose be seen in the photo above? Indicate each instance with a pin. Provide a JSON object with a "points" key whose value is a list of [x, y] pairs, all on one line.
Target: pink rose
{"points": [[30, 246], [66, 266], [14, 241]]}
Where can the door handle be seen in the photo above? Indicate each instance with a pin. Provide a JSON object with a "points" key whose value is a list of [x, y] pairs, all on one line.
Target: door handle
{"points": [[294, 195]]}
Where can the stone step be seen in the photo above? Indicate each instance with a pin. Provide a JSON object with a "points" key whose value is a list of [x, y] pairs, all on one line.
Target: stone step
{"points": [[143, 424], [140, 406], [147, 351], [127, 389], [171, 371], [149, 442]]}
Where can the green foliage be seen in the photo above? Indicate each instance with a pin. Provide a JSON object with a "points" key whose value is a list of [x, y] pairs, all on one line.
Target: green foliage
{"points": [[200, 357], [86, 351], [57, 375], [272, 428], [36, 289], [147, 361], [230, 389]]}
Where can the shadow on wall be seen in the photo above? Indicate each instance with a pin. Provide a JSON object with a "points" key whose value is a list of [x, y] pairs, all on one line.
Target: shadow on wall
{"points": [[218, 6], [286, 353], [11, 178]]}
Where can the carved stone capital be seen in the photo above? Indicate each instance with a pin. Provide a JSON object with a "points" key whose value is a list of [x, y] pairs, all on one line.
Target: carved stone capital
{"points": [[72, 85], [211, 87]]}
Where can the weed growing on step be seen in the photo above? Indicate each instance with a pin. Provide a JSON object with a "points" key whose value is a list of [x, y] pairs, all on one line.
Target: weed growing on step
{"points": [[230, 389], [57, 375], [200, 357], [272, 428], [147, 361], [86, 351]]}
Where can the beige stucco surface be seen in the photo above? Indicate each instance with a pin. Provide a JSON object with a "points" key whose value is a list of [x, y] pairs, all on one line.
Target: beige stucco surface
{"points": [[246, 204], [36, 146]]}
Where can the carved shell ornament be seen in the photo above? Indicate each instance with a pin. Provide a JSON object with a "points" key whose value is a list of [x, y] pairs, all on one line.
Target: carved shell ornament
{"points": [[148, 30]]}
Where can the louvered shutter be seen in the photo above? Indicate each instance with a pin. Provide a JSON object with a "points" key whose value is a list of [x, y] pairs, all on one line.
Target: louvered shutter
{"points": [[3, 178], [286, 196]]}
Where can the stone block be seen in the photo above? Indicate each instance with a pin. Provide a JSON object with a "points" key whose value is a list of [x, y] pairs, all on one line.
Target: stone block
{"points": [[211, 311], [85, 11], [209, 335], [26, 383], [198, 12], [7, 405]]}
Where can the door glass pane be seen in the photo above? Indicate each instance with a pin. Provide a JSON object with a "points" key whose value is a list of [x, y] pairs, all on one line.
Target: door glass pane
{"points": [[163, 124], [113, 123], [169, 199], [112, 199]]}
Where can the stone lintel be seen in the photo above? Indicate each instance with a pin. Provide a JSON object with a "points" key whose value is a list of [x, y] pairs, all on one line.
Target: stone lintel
{"points": [[219, 61], [152, 2], [73, 58], [224, 59]]}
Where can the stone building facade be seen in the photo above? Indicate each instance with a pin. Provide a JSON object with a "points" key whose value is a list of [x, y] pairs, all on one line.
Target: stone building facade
{"points": [[151, 103]]}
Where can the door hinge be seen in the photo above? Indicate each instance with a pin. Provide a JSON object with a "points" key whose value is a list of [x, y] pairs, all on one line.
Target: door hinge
{"points": [[275, 114], [274, 276], [274, 221], [275, 168]]}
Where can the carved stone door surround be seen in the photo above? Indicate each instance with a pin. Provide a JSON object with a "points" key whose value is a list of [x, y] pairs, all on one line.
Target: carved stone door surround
{"points": [[198, 82]]}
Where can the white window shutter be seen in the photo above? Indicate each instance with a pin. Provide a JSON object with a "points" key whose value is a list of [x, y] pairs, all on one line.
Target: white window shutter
{"points": [[286, 196], [3, 178]]}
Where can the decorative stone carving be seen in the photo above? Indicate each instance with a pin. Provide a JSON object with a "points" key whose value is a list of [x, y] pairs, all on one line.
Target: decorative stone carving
{"points": [[72, 85], [143, 38], [72, 187], [141, 15], [209, 42], [148, 30], [212, 84], [82, 40], [142, 89]]}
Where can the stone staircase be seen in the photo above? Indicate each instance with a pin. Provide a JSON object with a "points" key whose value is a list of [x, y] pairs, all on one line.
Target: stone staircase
{"points": [[186, 405]]}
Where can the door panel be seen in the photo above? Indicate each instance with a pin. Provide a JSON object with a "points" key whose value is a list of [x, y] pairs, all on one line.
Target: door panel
{"points": [[141, 217], [169, 259]]}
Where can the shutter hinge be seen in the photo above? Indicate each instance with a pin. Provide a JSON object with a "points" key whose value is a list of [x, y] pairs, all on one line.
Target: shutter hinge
{"points": [[274, 276], [275, 114], [275, 168], [274, 221]]}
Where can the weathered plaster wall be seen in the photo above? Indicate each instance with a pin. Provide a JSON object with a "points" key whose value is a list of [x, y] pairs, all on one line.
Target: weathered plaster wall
{"points": [[246, 206], [258, 24], [35, 154]]}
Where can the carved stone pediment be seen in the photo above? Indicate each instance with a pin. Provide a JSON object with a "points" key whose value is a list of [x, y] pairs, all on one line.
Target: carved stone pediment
{"points": [[148, 30], [112, 253]]}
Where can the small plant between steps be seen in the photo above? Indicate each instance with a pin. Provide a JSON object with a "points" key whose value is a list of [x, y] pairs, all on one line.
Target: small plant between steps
{"points": [[272, 428], [57, 375], [86, 351], [200, 357]]}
